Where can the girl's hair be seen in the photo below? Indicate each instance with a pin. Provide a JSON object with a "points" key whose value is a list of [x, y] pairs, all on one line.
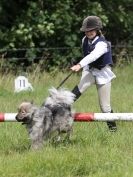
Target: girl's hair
{"points": [[99, 33]]}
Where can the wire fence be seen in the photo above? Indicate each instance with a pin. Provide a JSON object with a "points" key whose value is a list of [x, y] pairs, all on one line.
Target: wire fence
{"points": [[21, 53], [56, 56]]}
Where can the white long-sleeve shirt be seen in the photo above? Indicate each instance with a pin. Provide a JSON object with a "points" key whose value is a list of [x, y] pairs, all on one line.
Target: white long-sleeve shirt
{"points": [[104, 75], [99, 50]]}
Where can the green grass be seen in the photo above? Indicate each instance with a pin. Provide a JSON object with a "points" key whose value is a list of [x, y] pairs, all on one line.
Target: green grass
{"points": [[92, 152]]}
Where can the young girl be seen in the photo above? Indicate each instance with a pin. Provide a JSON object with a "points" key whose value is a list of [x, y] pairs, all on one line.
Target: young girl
{"points": [[96, 65]]}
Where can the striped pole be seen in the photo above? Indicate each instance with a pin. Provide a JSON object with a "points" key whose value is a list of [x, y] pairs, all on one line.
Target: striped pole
{"points": [[81, 117], [8, 117], [86, 117]]}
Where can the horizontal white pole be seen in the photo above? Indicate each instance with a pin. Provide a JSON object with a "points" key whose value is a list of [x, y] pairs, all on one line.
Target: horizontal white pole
{"points": [[113, 116], [8, 117], [103, 117], [81, 117]]}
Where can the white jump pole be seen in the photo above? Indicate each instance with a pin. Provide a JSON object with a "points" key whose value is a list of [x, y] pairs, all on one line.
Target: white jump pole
{"points": [[86, 117], [81, 117], [8, 117]]}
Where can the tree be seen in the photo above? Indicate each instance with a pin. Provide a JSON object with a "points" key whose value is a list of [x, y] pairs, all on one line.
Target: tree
{"points": [[49, 24]]}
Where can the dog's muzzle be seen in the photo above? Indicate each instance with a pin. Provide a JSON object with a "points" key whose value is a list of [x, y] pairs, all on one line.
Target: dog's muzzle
{"points": [[24, 120], [17, 118]]}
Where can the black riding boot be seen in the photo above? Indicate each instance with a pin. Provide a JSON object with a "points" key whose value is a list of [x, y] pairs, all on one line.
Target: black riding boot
{"points": [[112, 125], [76, 92]]}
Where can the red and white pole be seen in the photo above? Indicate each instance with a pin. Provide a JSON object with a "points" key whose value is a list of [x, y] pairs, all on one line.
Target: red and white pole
{"points": [[8, 117], [86, 117], [81, 117]]}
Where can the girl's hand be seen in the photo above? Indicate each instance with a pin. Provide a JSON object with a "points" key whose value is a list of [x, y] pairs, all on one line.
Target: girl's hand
{"points": [[76, 67]]}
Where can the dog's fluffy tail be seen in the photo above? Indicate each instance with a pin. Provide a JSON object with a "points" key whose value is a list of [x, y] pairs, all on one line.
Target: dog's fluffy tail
{"points": [[60, 96]]}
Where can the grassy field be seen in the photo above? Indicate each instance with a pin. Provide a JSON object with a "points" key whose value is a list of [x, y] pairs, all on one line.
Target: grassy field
{"points": [[93, 150]]}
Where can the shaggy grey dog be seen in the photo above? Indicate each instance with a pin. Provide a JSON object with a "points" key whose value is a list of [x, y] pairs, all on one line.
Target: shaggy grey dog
{"points": [[53, 116]]}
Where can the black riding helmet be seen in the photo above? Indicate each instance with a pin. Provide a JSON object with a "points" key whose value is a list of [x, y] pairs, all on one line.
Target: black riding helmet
{"points": [[91, 23]]}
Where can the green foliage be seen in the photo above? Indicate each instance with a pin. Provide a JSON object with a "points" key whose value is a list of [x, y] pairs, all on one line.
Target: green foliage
{"points": [[47, 24], [32, 25], [120, 15]]}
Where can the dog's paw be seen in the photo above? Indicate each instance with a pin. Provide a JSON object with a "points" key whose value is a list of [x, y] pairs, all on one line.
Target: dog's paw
{"points": [[35, 147]]}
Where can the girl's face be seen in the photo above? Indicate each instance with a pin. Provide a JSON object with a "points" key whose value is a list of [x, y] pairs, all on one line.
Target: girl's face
{"points": [[91, 34]]}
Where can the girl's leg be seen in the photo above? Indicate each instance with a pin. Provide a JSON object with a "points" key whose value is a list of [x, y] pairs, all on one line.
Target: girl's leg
{"points": [[104, 101], [87, 80]]}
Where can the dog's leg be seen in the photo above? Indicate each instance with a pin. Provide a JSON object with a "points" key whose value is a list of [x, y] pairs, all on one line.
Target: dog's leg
{"points": [[42, 127], [36, 138], [36, 145], [63, 135], [69, 134], [54, 136]]}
